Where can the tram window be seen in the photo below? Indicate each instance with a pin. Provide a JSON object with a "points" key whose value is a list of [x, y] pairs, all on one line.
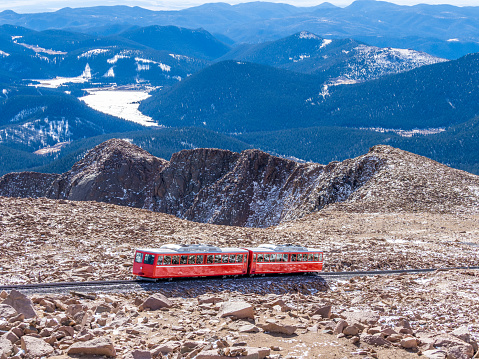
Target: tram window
{"points": [[245, 258], [320, 257], [239, 258], [217, 258], [316, 257], [225, 258], [260, 257], [149, 259], [267, 257], [159, 261], [285, 257], [200, 259], [273, 257], [175, 260], [305, 257], [232, 258], [293, 257], [139, 257], [310, 257], [191, 259], [183, 259], [209, 259], [167, 260]]}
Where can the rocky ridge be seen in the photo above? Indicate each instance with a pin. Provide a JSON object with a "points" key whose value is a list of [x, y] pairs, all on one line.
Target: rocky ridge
{"points": [[253, 188]]}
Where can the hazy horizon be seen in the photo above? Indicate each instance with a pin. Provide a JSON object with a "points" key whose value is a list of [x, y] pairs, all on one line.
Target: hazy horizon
{"points": [[34, 6]]}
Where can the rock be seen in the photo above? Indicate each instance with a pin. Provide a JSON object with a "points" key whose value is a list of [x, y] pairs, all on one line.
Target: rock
{"points": [[21, 303], [458, 352], [166, 348], [464, 334], [375, 340], [209, 299], [6, 347], [448, 341], [338, 329], [324, 311], [138, 354], [155, 302], [409, 343], [435, 354], [368, 318], [248, 328], [351, 330], [393, 338], [236, 309], [278, 328], [35, 347], [7, 311], [240, 353], [97, 346], [11, 336]]}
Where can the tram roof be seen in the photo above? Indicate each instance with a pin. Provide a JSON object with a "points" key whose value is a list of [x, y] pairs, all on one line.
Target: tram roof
{"points": [[191, 248]]}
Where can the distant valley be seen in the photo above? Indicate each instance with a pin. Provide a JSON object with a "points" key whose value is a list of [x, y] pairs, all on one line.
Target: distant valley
{"points": [[306, 96]]}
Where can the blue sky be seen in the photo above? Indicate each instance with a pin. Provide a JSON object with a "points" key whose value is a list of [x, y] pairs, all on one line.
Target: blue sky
{"points": [[24, 6]]}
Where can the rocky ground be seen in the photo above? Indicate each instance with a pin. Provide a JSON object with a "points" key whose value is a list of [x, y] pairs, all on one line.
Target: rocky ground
{"points": [[430, 315], [433, 315]]}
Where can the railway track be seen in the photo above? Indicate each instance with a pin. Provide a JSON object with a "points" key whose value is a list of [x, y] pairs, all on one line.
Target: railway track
{"points": [[148, 283]]}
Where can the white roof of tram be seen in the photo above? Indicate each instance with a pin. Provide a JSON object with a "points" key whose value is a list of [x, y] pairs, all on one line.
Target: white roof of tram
{"points": [[274, 248], [191, 248]]}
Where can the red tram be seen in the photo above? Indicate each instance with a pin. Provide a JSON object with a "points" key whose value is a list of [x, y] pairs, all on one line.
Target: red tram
{"points": [[198, 260]]}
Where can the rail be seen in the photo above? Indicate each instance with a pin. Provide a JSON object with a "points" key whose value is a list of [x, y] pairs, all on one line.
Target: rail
{"points": [[129, 282]]}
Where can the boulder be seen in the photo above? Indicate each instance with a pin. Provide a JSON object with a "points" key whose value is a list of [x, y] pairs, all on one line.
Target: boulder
{"points": [[6, 347], [435, 354], [7, 311], [351, 330], [409, 342], [273, 327], [138, 354], [368, 318], [239, 352], [338, 329], [457, 352], [376, 340], [464, 334], [448, 341], [166, 348], [35, 347], [237, 310], [248, 328], [21, 303], [97, 346], [155, 302], [209, 299], [323, 310]]}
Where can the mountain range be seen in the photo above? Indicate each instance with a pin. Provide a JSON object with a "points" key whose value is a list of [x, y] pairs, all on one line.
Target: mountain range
{"points": [[251, 188], [442, 30]]}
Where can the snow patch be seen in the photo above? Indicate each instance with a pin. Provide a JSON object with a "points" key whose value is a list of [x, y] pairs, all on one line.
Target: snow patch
{"points": [[308, 35], [110, 73], [60, 81], [94, 52], [143, 64], [407, 133], [325, 43], [3, 54], [120, 103]]}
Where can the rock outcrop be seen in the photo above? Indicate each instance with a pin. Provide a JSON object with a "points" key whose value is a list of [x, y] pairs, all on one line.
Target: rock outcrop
{"points": [[252, 188]]}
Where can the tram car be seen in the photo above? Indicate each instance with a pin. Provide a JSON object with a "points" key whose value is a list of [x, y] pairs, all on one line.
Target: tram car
{"points": [[199, 260], [195, 260]]}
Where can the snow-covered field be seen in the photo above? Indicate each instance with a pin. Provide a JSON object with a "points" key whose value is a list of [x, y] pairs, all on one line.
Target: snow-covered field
{"points": [[120, 103]]}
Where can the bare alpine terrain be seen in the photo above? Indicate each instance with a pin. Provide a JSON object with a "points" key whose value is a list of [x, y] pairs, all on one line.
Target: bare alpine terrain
{"points": [[387, 209]]}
